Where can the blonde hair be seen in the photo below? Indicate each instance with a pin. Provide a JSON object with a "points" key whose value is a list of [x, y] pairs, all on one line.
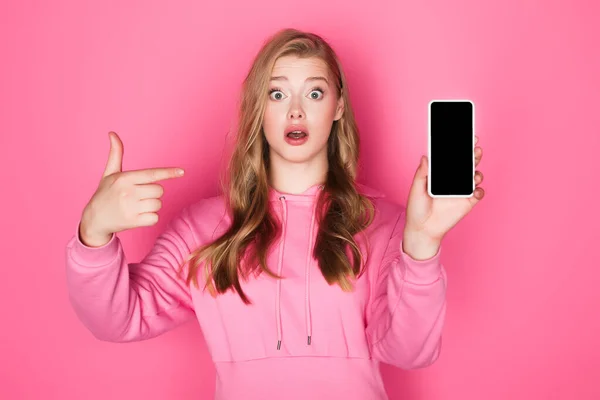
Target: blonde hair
{"points": [[344, 211]]}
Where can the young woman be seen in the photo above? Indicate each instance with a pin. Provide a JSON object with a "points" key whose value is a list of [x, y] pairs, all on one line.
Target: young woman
{"points": [[362, 281]]}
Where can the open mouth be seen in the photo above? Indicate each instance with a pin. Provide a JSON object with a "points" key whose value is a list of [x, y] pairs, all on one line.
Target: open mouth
{"points": [[296, 134]]}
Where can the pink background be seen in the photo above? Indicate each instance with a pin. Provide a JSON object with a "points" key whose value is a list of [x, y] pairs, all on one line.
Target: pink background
{"points": [[523, 316]]}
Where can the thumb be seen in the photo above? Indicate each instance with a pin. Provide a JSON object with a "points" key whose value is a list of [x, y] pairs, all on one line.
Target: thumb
{"points": [[421, 172], [420, 179], [115, 156]]}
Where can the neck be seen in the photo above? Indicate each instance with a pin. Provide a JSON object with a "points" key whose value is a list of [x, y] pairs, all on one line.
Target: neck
{"points": [[289, 177]]}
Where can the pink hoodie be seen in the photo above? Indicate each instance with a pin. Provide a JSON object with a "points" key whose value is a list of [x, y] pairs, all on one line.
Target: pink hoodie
{"points": [[301, 338]]}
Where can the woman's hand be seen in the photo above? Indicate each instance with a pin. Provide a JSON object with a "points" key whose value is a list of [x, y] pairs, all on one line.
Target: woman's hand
{"points": [[123, 200], [429, 219]]}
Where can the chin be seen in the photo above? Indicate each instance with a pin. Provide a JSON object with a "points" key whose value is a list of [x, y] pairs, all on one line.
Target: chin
{"points": [[297, 154]]}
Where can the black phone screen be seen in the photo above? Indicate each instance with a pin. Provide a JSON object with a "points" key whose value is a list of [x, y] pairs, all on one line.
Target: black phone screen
{"points": [[451, 141]]}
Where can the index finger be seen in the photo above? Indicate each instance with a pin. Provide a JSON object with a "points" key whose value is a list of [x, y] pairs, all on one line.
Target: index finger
{"points": [[150, 175]]}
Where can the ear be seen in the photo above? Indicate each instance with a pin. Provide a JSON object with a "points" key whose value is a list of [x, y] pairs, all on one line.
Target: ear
{"points": [[340, 108]]}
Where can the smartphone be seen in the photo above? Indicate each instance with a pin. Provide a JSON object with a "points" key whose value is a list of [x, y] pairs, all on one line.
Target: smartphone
{"points": [[451, 148]]}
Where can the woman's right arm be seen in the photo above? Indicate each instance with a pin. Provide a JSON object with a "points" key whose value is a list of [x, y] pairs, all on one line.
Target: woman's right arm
{"points": [[120, 301]]}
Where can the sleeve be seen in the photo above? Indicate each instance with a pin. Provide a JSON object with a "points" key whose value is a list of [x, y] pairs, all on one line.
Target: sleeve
{"points": [[407, 308], [121, 302]]}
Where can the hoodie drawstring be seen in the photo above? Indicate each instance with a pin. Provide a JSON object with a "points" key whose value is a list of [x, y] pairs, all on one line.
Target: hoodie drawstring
{"points": [[279, 266], [307, 285], [307, 270]]}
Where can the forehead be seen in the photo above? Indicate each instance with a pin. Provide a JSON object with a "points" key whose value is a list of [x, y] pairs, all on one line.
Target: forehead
{"points": [[296, 68]]}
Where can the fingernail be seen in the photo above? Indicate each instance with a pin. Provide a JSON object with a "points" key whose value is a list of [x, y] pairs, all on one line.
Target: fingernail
{"points": [[180, 171]]}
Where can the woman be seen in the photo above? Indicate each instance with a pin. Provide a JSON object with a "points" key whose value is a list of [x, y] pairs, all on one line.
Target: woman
{"points": [[362, 281]]}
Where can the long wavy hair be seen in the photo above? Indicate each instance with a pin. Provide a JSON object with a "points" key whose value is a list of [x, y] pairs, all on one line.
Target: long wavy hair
{"points": [[344, 212]]}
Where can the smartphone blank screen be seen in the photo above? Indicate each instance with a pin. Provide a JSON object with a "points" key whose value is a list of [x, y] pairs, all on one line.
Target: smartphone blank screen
{"points": [[451, 158]]}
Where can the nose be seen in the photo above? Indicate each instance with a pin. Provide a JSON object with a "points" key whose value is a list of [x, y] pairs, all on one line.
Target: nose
{"points": [[295, 110]]}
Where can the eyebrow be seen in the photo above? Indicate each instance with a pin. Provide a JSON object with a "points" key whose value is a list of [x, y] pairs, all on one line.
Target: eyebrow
{"points": [[309, 79]]}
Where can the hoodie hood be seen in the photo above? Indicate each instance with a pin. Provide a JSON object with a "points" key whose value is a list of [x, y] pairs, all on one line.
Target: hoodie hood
{"points": [[309, 195]]}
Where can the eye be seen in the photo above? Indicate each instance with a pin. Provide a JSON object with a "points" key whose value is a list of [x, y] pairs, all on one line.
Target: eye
{"points": [[316, 93], [276, 94]]}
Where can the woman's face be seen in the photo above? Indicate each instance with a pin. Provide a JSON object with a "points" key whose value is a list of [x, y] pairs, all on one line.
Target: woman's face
{"points": [[302, 96]]}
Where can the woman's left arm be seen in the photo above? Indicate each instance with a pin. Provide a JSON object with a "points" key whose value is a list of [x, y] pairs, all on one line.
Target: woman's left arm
{"points": [[408, 301], [408, 306]]}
